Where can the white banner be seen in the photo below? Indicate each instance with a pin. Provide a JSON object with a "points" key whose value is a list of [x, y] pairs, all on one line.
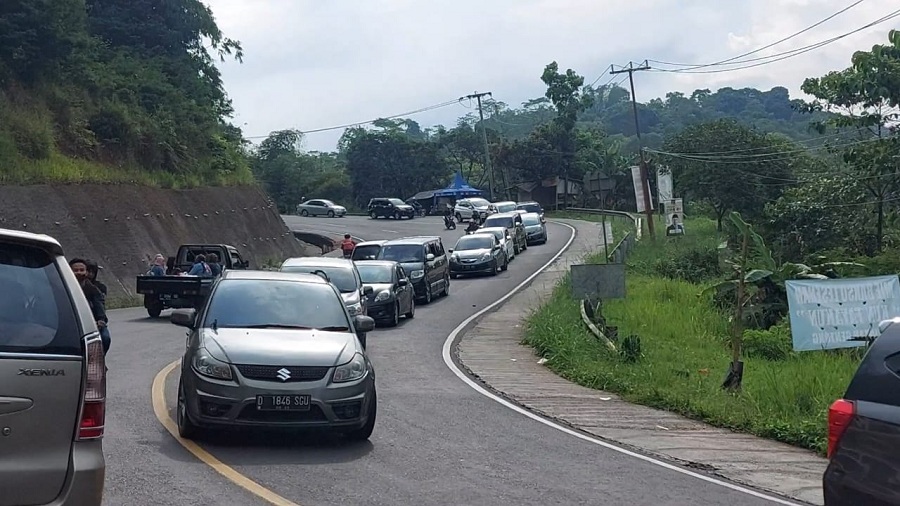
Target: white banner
{"points": [[664, 186], [639, 190], [674, 217]]}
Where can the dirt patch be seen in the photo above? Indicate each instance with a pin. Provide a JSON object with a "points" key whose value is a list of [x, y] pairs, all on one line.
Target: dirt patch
{"points": [[123, 226]]}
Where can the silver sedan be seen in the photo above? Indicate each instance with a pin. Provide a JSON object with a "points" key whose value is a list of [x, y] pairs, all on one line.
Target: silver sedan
{"points": [[279, 350]]}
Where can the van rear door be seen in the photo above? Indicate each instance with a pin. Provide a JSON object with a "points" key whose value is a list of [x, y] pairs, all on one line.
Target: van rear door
{"points": [[41, 359]]}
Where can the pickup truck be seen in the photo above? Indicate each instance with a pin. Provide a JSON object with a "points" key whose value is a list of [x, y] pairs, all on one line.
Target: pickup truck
{"points": [[180, 291]]}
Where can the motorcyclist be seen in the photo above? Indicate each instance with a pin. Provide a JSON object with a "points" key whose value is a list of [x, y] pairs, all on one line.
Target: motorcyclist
{"points": [[473, 226], [347, 246]]}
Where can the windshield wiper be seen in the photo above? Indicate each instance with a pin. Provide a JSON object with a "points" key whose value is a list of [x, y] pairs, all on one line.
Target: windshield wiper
{"points": [[277, 326], [334, 328]]}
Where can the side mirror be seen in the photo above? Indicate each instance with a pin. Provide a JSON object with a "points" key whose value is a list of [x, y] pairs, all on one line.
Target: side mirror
{"points": [[363, 324], [450, 251], [429, 257], [184, 317], [496, 247], [368, 290], [403, 282]]}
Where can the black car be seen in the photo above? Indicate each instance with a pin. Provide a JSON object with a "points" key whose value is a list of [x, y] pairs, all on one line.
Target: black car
{"points": [[393, 295], [864, 429], [390, 208], [425, 260]]}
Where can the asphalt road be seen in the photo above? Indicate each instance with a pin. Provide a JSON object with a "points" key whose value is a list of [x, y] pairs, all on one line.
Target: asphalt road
{"points": [[436, 441]]}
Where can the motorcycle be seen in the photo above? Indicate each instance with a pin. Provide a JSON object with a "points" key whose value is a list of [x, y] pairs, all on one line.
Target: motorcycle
{"points": [[449, 222]]}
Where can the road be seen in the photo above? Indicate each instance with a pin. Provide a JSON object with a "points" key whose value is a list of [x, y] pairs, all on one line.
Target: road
{"points": [[436, 441]]}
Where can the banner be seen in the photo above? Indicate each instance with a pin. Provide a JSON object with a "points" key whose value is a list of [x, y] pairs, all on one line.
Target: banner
{"points": [[664, 186], [639, 190], [840, 313], [674, 217]]}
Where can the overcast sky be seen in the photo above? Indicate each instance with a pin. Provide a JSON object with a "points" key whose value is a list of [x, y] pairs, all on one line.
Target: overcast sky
{"points": [[311, 64]]}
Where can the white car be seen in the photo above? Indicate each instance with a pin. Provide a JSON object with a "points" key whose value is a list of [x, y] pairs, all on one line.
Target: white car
{"points": [[502, 235], [464, 207], [321, 207], [507, 206]]}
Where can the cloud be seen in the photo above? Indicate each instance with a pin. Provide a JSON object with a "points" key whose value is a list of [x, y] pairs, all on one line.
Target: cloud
{"points": [[312, 64]]}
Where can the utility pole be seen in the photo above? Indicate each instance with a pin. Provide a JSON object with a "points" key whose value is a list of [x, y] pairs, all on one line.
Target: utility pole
{"points": [[645, 178], [487, 154]]}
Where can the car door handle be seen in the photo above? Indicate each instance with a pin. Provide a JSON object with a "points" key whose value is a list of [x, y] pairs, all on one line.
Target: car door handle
{"points": [[9, 405]]}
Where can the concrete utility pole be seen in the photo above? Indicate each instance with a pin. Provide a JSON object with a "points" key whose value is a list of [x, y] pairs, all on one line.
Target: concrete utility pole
{"points": [[645, 177], [487, 154]]}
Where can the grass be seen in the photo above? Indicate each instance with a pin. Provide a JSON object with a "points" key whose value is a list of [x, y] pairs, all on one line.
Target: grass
{"points": [[685, 354]]}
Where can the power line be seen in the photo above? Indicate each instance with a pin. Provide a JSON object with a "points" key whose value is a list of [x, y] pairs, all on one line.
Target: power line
{"points": [[789, 37]]}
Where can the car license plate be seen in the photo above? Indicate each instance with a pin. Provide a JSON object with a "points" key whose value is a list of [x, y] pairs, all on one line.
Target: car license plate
{"points": [[282, 402]]}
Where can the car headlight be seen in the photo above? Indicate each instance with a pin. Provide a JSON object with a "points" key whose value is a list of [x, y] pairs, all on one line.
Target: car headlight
{"points": [[351, 371], [486, 257], [354, 309], [382, 296], [205, 364], [417, 274]]}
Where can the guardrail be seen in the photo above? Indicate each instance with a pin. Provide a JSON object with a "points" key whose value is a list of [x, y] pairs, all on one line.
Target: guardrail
{"points": [[626, 244]]}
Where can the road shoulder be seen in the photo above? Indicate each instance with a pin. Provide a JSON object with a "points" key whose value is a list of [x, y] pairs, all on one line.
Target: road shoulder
{"points": [[492, 352]]}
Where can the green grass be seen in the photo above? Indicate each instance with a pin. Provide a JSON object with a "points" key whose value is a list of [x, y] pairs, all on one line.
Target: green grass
{"points": [[685, 354]]}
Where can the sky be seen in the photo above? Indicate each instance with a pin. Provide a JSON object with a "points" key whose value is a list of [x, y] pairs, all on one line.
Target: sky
{"points": [[314, 64]]}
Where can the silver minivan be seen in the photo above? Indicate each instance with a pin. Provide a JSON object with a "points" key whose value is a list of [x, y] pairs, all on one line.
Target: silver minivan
{"points": [[52, 379]]}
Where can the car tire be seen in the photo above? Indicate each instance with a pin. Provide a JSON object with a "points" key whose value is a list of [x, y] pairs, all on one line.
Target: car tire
{"points": [[304, 213], [459, 218], [428, 295], [186, 428], [446, 291], [395, 316], [373, 215], [412, 309], [330, 214], [154, 310], [365, 432]]}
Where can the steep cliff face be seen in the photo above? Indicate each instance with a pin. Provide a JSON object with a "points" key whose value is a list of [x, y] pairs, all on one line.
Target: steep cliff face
{"points": [[123, 226]]}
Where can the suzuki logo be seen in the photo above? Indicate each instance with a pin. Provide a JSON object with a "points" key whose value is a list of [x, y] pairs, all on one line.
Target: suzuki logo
{"points": [[41, 372], [284, 374]]}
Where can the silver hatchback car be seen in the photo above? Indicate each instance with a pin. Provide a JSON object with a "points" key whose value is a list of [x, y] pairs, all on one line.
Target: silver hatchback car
{"points": [[52, 379], [277, 350]]}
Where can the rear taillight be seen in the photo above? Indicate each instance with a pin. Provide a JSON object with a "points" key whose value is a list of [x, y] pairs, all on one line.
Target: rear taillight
{"points": [[840, 414], [93, 410]]}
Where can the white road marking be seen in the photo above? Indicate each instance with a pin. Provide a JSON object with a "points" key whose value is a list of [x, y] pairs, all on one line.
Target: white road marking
{"points": [[448, 360], [391, 231]]}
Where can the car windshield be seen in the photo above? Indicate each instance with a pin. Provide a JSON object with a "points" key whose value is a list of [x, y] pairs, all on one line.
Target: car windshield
{"points": [[403, 253], [375, 274], [479, 202], [397, 202], [531, 219], [471, 242], [342, 277], [368, 252], [531, 208], [266, 303], [500, 221], [505, 208]]}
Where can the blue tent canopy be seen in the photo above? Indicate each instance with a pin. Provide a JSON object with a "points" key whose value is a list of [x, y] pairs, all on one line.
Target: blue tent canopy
{"points": [[458, 188]]}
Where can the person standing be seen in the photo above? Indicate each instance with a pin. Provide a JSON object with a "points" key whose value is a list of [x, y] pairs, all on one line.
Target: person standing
{"points": [[95, 298], [347, 246]]}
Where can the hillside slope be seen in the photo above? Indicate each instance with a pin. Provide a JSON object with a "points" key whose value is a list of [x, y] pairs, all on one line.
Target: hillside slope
{"points": [[123, 226]]}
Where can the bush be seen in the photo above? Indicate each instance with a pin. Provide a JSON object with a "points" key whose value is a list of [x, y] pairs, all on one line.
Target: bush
{"points": [[692, 265], [772, 344]]}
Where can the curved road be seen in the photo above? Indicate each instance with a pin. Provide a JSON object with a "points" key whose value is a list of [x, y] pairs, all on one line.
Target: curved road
{"points": [[436, 441]]}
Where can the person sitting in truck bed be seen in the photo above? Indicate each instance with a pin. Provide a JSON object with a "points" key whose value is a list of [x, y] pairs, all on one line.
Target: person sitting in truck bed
{"points": [[214, 266], [159, 266], [200, 267]]}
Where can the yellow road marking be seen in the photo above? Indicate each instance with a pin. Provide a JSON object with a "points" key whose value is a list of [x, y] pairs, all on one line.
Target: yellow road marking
{"points": [[158, 394]]}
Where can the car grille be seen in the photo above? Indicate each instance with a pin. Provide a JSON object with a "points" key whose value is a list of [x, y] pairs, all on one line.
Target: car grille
{"points": [[270, 373], [251, 414]]}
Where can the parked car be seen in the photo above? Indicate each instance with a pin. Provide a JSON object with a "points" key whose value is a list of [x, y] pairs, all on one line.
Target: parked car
{"points": [[321, 207], [531, 207], [393, 294], [52, 379], [478, 254], [172, 291], [507, 206], [535, 229], [502, 234], [512, 221], [342, 273], [464, 208], [367, 250], [275, 350], [864, 429], [425, 260], [390, 208]]}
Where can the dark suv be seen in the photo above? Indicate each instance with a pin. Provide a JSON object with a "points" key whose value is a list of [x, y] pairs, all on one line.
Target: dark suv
{"points": [[864, 429], [390, 208], [426, 262]]}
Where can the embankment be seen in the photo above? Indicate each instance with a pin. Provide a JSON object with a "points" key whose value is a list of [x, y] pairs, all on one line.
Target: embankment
{"points": [[123, 226]]}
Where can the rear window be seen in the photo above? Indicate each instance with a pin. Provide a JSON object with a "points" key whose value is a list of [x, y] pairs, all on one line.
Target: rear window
{"points": [[36, 313], [342, 277], [531, 208], [369, 252], [505, 222], [531, 220], [403, 253], [506, 208]]}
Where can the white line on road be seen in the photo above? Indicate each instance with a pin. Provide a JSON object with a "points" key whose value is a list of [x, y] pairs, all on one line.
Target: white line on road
{"points": [[448, 360], [391, 231]]}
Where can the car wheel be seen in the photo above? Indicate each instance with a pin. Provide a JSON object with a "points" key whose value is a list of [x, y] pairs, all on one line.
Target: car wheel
{"points": [[330, 214], [365, 432], [395, 316], [154, 310], [304, 213], [396, 215], [186, 427], [428, 295], [372, 215], [446, 291], [412, 308], [459, 218]]}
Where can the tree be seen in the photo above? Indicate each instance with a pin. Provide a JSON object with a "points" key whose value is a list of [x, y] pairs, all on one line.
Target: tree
{"points": [[866, 97], [733, 167], [567, 94]]}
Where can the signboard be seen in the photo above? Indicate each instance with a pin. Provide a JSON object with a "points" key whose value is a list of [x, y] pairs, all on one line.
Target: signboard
{"points": [[639, 190], [664, 186], [840, 313], [674, 217], [598, 281], [606, 227]]}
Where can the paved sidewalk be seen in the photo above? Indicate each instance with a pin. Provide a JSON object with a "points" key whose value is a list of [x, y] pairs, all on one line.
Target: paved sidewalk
{"points": [[492, 352]]}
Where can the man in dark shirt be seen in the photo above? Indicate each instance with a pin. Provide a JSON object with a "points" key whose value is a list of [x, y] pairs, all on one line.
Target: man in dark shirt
{"points": [[95, 298]]}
